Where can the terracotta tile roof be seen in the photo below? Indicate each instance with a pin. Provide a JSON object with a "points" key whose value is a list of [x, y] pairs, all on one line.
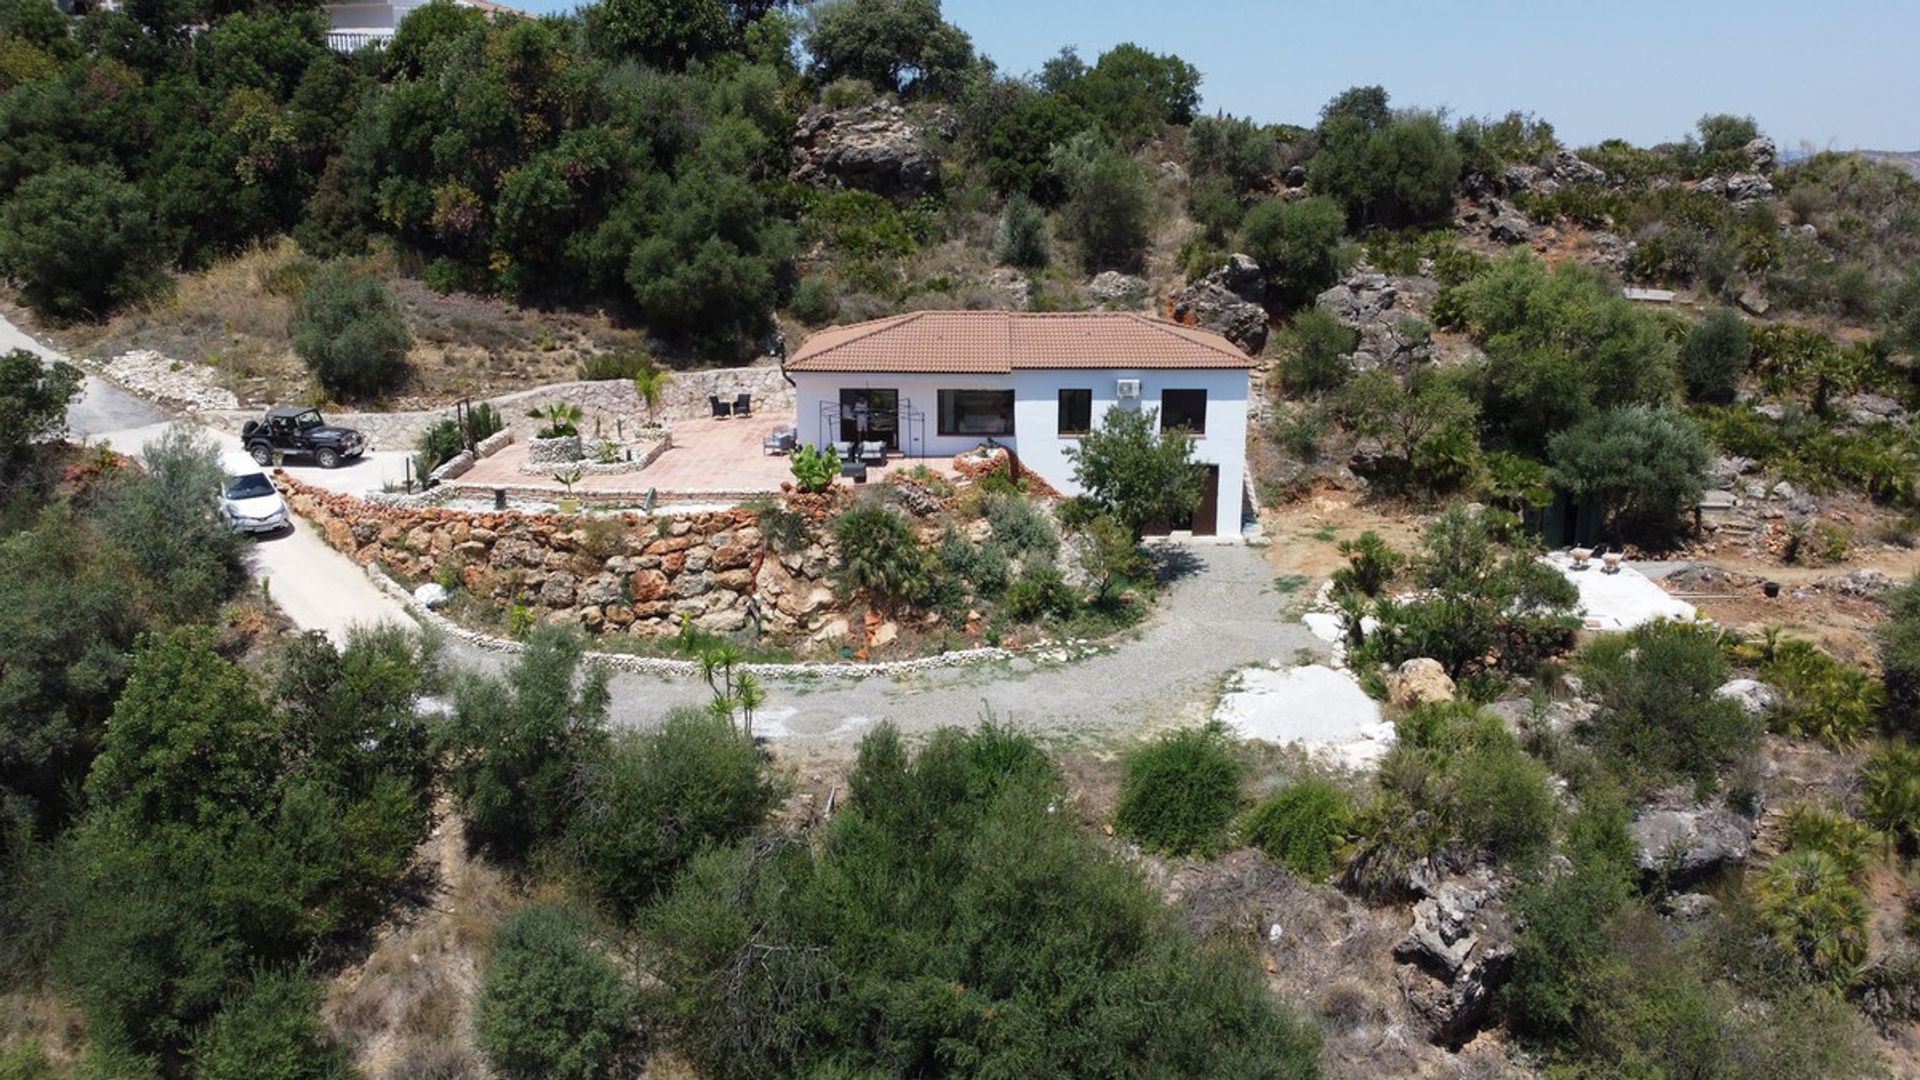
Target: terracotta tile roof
{"points": [[997, 342]]}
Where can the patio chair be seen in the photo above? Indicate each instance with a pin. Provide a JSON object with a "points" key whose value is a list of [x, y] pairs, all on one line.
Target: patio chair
{"points": [[843, 451], [743, 405], [778, 441], [874, 452], [720, 408]]}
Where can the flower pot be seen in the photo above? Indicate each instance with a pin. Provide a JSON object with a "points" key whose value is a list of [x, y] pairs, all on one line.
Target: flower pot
{"points": [[1771, 588], [569, 504]]}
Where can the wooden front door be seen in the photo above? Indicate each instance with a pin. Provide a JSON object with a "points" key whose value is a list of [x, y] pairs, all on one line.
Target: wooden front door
{"points": [[1206, 517]]}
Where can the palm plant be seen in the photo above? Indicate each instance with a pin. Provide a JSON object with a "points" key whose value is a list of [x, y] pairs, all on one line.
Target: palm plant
{"points": [[650, 383]]}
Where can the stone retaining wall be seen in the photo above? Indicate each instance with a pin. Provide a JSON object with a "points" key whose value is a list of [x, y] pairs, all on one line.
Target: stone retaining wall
{"points": [[609, 574]]}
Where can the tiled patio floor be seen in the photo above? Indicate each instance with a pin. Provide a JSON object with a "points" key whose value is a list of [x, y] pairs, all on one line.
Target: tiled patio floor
{"points": [[708, 457]]}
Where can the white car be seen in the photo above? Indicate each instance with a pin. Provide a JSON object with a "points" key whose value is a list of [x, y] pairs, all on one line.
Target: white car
{"points": [[248, 500]]}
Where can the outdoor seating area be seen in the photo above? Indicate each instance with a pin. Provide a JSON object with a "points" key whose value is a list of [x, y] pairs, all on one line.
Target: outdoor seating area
{"points": [[741, 405], [735, 457]]}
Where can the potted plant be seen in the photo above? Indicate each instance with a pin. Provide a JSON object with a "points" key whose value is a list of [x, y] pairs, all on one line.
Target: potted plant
{"points": [[569, 503], [558, 439]]}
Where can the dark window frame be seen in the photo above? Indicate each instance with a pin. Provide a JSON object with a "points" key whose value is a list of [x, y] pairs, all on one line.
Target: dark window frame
{"points": [[1199, 428], [941, 411], [1061, 426]]}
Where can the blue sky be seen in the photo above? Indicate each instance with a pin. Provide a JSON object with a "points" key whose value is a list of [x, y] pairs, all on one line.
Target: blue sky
{"points": [[1840, 73]]}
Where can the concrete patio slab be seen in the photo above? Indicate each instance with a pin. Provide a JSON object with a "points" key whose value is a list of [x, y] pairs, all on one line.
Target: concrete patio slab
{"points": [[1622, 600], [1315, 706]]}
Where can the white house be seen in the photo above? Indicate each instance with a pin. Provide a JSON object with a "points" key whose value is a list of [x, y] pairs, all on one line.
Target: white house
{"points": [[938, 383], [358, 23]]}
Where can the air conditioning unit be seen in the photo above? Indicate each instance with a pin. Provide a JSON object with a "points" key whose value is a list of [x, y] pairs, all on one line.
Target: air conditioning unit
{"points": [[1128, 388]]}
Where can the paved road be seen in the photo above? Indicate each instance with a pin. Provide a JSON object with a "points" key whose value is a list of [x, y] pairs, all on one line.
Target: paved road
{"points": [[1220, 613]]}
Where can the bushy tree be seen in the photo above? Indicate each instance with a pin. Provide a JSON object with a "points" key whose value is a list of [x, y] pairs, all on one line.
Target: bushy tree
{"points": [[552, 1004], [1316, 352], [1645, 466], [900, 45], [33, 407], [1384, 168], [1659, 713], [1714, 356], [1109, 199], [166, 518], [1242, 152], [271, 1031], [350, 333], [664, 33], [1303, 826], [659, 798], [842, 957], [1022, 239], [426, 27], [1296, 243], [1180, 792], [709, 270], [1020, 134], [518, 741], [1141, 476], [81, 241], [1723, 137], [1131, 91], [1428, 425]]}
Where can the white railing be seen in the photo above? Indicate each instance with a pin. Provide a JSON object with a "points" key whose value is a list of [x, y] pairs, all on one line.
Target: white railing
{"points": [[351, 41]]}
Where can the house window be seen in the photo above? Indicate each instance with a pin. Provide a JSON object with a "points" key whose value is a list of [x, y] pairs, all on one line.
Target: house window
{"points": [[1184, 409], [976, 412], [1076, 412]]}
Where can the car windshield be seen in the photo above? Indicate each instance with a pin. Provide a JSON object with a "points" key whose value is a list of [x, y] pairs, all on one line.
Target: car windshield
{"points": [[248, 486], [308, 419]]}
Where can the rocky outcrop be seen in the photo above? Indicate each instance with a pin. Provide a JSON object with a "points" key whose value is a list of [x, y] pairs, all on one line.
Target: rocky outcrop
{"points": [[1739, 187], [1115, 289], [1754, 697], [1390, 335], [1561, 170], [189, 387], [1228, 302], [1510, 226], [1457, 954], [877, 147], [1684, 844], [1417, 682], [1762, 155]]}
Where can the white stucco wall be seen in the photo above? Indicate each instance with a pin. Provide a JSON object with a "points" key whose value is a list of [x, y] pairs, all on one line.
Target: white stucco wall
{"points": [[1036, 416]]}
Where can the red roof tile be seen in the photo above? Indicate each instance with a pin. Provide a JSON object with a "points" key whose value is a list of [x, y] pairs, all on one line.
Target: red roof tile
{"points": [[997, 342]]}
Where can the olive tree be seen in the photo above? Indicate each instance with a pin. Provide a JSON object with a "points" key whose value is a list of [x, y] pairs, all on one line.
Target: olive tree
{"points": [[350, 332], [1141, 473]]}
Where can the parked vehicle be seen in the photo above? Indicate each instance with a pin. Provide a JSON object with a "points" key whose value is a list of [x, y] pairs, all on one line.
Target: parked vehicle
{"points": [[248, 500], [300, 431]]}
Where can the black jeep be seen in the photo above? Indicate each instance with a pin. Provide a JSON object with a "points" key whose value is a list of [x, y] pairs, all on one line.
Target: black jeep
{"points": [[289, 430]]}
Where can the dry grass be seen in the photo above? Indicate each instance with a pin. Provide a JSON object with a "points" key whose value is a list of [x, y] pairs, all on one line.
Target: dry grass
{"points": [[406, 1011]]}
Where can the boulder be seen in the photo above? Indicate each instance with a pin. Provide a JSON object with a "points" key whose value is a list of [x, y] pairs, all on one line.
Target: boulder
{"points": [[558, 591], [1762, 155], [1510, 226], [1738, 187], [1687, 844], [1865, 582], [1115, 289], [877, 147], [1391, 336], [1227, 301], [1874, 409], [1417, 682], [1753, 301], [1457, 954], [1011, 286], [1754, 697], [1569, 168], [430, 595]]}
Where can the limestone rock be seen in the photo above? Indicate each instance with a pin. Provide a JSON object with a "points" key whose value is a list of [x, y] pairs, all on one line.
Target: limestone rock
{"points": [[1115, 289], [1510, 226], [1754, 697], [1739, 187], [1227, 301], [877, 147], [1012, 286], [1874, 409], [1420, 681], [1458, 953], [1391, 336], [1686, 844], [1762, 154]]}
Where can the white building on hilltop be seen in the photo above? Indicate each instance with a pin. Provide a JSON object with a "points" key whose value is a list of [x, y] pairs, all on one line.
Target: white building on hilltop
{"points": [[356, 24]]}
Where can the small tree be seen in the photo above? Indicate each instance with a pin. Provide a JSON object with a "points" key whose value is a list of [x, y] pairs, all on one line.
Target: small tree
{"points": [[1297, 243], [1645, 465], [350, 332], [1022, 240], [650, 385], [553, 1007], [1317, 352], [1714, 356], [1109, 199], [1142, 476], [901, 45], [81, 241], [33, 406], [271, 1031]]}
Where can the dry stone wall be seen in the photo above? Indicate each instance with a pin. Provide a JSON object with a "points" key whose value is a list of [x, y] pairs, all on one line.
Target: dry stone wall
{"points": [[609, 574]]}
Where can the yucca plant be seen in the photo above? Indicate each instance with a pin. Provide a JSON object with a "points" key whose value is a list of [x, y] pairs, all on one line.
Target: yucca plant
{"points": [[558, 419]]}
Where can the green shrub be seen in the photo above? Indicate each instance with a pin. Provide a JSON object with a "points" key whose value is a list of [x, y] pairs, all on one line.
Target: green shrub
{"points": [[906, 941], [1302, 826], [1646, 466], [1041, 593], [26, 1061], [880, 553], [1457, 779], [1815, 911], [1714, 357], [1180, 792], [1022, 239], [1137, 473], [438, 444], [1317, 350], [165, 521], [1020, 526], [1900, 658], [1371, 566], [815, 468], [552, 1004], [350, 333], [1658, 710], [1109, 199], [659, 797], [1891, 777], [1297, 244], [271, 1031], [815, 301], [615, 366], [1820, 697], [81, 241], [1385, 167]]}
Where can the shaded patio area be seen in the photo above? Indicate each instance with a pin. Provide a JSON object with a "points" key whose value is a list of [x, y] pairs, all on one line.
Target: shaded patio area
{"points": [[709, 458]]}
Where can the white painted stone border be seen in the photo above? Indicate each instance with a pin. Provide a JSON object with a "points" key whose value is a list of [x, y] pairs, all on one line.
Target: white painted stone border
{"points": [[661, 665]]}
